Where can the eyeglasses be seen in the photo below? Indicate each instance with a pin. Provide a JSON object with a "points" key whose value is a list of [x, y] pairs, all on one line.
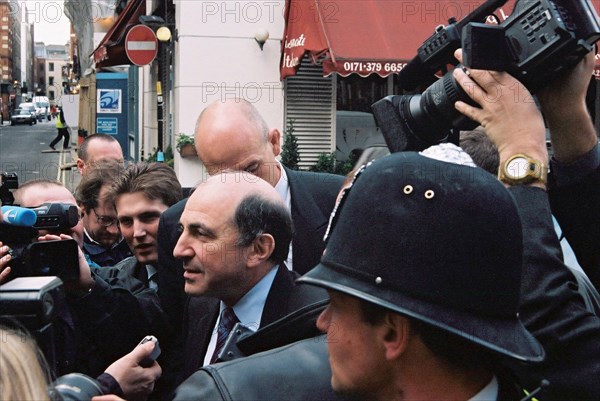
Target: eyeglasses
{"points": [[105, 221]]}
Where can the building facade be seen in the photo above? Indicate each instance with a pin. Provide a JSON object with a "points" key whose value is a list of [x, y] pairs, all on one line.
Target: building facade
{"points": [[57, 71], [10, 55], [39, 71]]}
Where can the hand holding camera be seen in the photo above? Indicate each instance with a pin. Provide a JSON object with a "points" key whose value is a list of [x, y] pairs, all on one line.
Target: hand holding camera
{"points": [[538, 42], [85, 282], [507, 111]]}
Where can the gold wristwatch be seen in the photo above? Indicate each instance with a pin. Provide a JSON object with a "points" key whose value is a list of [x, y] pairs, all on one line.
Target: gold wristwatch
{"points": [[521, 169]]}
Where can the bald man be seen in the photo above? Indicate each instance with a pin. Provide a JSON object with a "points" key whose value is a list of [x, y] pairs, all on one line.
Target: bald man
{"points": [[233, 135], [95, 148], [235, 238]]}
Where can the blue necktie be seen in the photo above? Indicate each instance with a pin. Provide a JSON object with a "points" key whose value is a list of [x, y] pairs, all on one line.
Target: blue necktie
{"points": [[226, 323]]}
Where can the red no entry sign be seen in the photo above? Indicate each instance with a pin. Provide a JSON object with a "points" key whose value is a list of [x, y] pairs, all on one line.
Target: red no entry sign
{"points": [[141, 45]]}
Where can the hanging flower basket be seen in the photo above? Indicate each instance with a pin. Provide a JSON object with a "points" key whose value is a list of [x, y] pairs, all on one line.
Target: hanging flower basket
{"points": [[188, 150], [185, 146]]}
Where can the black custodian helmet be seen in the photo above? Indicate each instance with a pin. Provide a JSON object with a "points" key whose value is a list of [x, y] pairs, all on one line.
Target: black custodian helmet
{"points": [[435, 241]]}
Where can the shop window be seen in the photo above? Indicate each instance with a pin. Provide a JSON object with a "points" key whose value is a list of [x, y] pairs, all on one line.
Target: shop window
{"points": [[355, 93], [356, 129]]}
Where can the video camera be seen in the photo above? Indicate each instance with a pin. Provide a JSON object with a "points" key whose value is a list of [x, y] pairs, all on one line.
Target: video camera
{"points": [[34, 304], [19, 228], [539, 40]]}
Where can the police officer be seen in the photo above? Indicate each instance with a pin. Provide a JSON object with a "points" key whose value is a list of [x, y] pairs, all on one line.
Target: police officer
{"points": [[425, 305]]}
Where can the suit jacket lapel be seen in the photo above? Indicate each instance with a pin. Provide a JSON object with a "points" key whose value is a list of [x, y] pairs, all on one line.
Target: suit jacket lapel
{"points": [[276, 304], [304, 208], [202, 315], [308, 219]]}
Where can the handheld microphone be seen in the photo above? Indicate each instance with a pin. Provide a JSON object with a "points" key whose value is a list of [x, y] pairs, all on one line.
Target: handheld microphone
{"points": [[18, 216]]}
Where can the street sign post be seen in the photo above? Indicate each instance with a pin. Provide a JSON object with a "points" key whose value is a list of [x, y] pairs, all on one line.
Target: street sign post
{"points": [[141, 45]]}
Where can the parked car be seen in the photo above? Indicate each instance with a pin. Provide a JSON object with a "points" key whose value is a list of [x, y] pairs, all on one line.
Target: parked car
{"points": [[31, 108], [22, 116]]}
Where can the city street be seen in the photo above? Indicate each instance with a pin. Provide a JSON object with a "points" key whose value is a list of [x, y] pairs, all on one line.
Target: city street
{"points": [[24, 150]]}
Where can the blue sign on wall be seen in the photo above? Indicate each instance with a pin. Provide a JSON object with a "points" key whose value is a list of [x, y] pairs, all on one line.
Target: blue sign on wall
{"points": [[112, 105], [106, 125], [109, 101]]}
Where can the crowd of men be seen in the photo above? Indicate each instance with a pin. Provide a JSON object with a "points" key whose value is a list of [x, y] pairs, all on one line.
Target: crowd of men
{"points": [[431, 278]]}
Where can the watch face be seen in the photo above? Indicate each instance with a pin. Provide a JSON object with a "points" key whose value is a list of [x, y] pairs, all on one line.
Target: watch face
{"points": [[517, 168]]}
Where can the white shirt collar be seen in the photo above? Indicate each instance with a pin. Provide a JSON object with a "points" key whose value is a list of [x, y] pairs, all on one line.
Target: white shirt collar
{"points": [[283, 189], [93, 241], [488, 393], [151, 270]]}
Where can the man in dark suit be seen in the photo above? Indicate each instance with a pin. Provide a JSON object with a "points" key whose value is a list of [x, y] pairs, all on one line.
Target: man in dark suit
{"points": [[235, 237], [233, 135]]}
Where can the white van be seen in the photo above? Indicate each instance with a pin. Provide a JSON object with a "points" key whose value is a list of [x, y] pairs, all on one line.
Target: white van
{"points": [[42, 106]]}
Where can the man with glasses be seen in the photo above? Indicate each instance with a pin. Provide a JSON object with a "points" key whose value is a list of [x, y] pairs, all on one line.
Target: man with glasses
{"points": [[103, 242]]}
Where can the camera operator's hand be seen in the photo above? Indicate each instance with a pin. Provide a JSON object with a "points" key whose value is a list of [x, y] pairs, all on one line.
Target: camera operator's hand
{"points": [[86, 282], [563, 103], [137, 382], [508, 112], [4, 260]]}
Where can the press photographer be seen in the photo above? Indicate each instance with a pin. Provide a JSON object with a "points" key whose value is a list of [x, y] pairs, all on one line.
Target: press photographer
{"points": [[109, 315], [539, 40]]}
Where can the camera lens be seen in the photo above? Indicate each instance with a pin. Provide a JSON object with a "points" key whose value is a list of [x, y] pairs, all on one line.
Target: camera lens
{"points": [[430, 115], [75, 387]]}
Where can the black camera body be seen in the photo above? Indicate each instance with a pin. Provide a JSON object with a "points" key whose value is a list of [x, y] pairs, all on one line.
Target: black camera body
{"points": [[537, 41], [49, 258], [35, 303], [56, 216], [540, 39]]}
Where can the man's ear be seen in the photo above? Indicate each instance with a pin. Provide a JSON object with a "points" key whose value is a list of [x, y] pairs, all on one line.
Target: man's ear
{"points": [[82, 211], [261, 249], [275, 140], [80, 165], [395, 335]]}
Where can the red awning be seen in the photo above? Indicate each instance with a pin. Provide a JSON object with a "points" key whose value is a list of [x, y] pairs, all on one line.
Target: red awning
{"points": [[111, 50], [365, 36]]}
